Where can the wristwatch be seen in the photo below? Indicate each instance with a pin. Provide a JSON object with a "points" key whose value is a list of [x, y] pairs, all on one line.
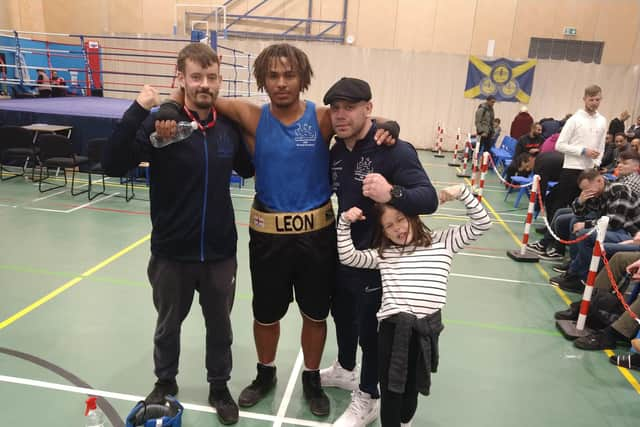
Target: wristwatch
{"points": [[396, 192]]}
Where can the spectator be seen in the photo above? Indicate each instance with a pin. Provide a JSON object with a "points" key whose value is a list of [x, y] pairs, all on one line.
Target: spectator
{"points": [[582, 142], [634, 129], [484, 122], [521, 123], [44, 84], [530, 142], [625, 327], [617, 124], [615, 200], [58, 85]]}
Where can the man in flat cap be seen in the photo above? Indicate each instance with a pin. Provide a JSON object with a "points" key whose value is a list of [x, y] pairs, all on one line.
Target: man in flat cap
{"points": [[364, 173]]}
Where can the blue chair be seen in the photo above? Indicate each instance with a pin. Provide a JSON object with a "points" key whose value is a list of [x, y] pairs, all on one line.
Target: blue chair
{"points": [[503, 155], [522, 191]]}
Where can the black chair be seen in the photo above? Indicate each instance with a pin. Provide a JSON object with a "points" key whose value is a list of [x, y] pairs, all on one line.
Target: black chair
{"points": [[94, 167], [56, 151], [94, 153], [16, 145]]}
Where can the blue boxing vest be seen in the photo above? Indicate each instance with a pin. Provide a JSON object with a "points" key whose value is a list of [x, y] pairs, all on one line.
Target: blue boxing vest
{"points": [[292, 163]]}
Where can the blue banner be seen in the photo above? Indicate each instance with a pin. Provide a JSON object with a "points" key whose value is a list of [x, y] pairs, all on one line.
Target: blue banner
{"points": [[507, 80]]}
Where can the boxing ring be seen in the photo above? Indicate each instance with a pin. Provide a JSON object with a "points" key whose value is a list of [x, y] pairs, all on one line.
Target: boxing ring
{"points": [[100, 76], [90, 117]]}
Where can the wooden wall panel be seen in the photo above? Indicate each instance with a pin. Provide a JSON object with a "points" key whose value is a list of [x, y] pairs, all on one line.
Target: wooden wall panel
{"points": [[415, 27], [493, 21], [454, 26]]}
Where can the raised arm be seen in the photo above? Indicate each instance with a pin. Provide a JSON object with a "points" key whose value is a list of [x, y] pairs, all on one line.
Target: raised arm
{"points": [[347, 252], [129, 144], [456, 238]]}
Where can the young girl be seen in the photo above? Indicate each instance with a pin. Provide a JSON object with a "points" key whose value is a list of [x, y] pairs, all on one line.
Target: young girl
{"points": [[414, 264]]}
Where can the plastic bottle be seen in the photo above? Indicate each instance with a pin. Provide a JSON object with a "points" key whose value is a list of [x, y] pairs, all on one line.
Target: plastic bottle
{"points": [[183, 131], [93, 414]]}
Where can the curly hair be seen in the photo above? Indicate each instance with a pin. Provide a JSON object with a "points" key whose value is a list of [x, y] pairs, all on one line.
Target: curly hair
{"points": [[296, 58]]}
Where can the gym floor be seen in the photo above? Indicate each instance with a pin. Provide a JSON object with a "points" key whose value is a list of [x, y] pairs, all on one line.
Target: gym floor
{"points": [[76, 313]]}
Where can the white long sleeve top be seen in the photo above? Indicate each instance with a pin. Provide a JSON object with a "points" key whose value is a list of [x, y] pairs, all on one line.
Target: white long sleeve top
{"points": [[414, 279], [582, 130]]}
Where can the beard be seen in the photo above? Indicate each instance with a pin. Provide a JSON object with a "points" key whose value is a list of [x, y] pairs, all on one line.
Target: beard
{"points": [[202, 103]]}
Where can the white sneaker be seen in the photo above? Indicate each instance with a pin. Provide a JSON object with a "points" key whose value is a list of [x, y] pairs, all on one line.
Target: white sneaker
{"points": [[361, 411], [336, 376], [405, 424]]}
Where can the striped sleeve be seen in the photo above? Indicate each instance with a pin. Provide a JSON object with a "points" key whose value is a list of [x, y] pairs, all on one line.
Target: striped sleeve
{"points": [[348, 254], [456, 238]]}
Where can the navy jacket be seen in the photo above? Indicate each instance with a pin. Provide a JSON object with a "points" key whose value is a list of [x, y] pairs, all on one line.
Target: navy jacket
{"points": [[191, 211], [399, 164]]}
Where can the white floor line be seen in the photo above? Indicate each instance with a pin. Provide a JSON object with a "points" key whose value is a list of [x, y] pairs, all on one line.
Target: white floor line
{"points": [[497, 279], [482, 255], [134, 398], [91, 202], [49, 196], [43, 209], [8, 206], [288, 392]]}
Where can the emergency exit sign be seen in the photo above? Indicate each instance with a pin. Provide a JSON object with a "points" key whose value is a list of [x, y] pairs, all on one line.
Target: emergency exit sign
{"points": [[570, 31]]}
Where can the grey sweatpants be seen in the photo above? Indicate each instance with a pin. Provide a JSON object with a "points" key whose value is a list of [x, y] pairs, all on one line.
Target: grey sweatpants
{"points": [[174, 284]]}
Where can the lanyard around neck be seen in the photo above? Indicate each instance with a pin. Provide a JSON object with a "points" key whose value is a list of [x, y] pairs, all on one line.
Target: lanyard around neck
{"points": [[211, 124]]}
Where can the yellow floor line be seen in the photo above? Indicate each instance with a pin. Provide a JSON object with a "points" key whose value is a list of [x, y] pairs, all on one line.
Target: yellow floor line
{"points": [[625, 372], [70, 283]]}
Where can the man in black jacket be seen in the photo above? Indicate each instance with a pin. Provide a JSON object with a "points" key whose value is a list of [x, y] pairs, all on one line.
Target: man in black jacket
{"points": [[193, 239], [364, 173]]}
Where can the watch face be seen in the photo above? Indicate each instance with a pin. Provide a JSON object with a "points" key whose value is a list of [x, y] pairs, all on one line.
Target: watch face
{"points": [[396, 192]]}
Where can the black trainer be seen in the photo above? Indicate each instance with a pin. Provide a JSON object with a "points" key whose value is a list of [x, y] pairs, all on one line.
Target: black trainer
{"points": [[312, 390], [570, 313], [569, 282], [161, 389], [263, 384], [599, 340], [561, 268], [226, 408]]}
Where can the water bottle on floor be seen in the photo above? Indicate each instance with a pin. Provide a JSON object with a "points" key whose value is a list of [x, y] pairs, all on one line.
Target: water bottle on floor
{"points": [[183, 131], [93, 415]]}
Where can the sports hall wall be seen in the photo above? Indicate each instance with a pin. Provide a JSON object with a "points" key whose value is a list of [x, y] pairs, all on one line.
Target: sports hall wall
{"points": [[413, 52]]}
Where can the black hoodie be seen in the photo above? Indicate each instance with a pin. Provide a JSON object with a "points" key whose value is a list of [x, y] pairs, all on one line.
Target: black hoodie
{"points": [[191, 211]]}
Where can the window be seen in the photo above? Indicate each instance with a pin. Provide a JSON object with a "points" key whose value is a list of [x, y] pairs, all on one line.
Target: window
{"points": [[563, 49]]}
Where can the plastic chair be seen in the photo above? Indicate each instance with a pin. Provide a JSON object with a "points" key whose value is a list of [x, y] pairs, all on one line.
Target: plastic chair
{"points": [[519, 180], [503, 155]]}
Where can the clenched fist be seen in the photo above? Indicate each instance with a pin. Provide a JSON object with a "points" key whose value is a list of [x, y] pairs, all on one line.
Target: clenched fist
{"points": [[148, 97]]}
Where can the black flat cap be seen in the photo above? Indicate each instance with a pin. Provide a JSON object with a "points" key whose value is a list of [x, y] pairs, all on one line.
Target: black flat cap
{"points": [[349, 89]]}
